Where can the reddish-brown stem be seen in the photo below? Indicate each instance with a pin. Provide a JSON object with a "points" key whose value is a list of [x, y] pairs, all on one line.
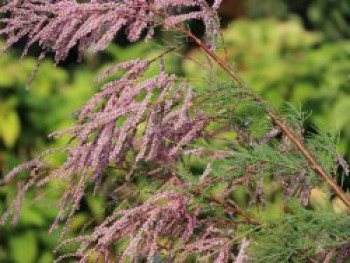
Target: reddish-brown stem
{"points": [[275, 117], [234, 209]]}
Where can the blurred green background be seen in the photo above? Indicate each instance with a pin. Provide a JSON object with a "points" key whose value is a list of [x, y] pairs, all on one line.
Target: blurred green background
{"points": [[296, 51]]}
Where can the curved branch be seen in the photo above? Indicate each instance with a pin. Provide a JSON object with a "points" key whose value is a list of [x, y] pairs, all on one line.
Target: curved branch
{"points": [[274, 116]]}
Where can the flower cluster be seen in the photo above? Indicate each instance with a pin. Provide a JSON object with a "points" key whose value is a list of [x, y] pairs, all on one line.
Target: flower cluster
{"points": [[151, 119], [60, 25], [165, 215], [153, 228]]}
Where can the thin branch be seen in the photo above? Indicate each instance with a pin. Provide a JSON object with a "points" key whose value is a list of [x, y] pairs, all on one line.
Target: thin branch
{"points": [[274, 116]]}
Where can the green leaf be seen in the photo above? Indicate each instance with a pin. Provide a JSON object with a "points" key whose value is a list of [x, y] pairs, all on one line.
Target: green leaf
{"points": [[24, 247], [96, 206], [79, 220], [3, 254], [46, 258], [9, 128], [31, 216]]}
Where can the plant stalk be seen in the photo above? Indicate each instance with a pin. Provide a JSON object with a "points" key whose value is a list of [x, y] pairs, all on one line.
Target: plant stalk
{"points": [[274, 116]]}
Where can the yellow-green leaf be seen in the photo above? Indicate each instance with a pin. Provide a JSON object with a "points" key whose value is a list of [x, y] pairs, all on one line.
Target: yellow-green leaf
{"points": [[9, 127], [23, 248]]}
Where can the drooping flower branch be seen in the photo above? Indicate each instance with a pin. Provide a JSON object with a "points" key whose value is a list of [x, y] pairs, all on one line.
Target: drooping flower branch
{"points": [[108, 128], [164, 215], [62, 24], [168, 223]]}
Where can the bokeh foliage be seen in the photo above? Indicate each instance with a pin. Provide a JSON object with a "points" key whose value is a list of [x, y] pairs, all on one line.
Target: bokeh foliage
{"points": [[329, 16]]}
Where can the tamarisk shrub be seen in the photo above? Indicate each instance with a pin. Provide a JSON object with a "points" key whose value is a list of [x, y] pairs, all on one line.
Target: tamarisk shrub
{"points": [[162, 121]]}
